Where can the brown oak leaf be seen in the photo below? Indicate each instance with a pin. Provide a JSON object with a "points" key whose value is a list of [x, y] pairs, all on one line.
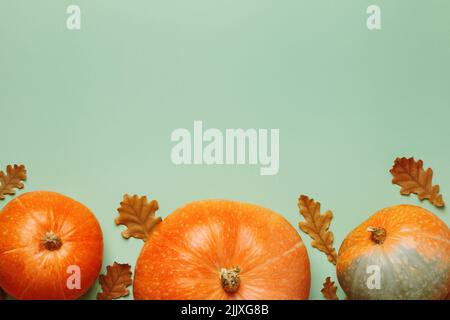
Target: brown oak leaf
{"points": [[138, 215], [329, 290], [12, 179], [114, 284], [412, 178], [317, 225]]}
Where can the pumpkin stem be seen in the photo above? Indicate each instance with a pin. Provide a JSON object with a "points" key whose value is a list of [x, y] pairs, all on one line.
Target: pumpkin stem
{"points": [[230, 279], [51, 241], [378, 234]]}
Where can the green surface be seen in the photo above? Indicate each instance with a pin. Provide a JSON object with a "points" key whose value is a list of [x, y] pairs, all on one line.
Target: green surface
{"points": [[90, 112]]}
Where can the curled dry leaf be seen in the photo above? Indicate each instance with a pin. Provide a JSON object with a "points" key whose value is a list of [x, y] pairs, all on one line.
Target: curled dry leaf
{"points": [[114, 284], [329, 290], [412, 178], [12, 180], [316, 225], [138, 215]]}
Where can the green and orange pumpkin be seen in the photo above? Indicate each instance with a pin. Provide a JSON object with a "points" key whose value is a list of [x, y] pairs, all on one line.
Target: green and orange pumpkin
{"points": [[409, 247]]}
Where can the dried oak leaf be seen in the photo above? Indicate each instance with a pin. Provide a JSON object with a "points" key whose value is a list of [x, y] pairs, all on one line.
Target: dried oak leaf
{"points": [[138, 215], [114, 284], [12, 179], [412, 178], [317, 225], [329, 290]]}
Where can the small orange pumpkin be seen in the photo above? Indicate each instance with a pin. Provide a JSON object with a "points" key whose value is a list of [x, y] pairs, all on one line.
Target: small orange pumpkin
{"points": [[401, 252], [45, 238], [218, 249]]}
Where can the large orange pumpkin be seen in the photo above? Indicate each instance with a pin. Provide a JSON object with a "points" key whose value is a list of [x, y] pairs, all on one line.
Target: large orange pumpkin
{"points": [[218, 249], [402, 252], [46, 241]]}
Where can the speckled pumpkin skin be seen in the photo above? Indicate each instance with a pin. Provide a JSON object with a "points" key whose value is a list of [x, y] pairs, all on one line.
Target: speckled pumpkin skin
{"points": [[414, 259], [184, 255], [28, 270]]}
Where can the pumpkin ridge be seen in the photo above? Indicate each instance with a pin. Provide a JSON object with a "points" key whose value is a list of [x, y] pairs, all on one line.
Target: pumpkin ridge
{"points": [[432, 237], [24, 247], [28, 286], [61, 276], [297, 246], [75, 227], [60, 222]]}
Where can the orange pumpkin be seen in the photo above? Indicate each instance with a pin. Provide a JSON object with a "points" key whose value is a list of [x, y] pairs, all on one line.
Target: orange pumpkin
{"points": [[402, 252], [218, 249], [50, 247]]}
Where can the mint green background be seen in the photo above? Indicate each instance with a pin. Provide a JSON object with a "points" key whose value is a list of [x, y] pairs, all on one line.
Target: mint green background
{"points": [[90, 112]]}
